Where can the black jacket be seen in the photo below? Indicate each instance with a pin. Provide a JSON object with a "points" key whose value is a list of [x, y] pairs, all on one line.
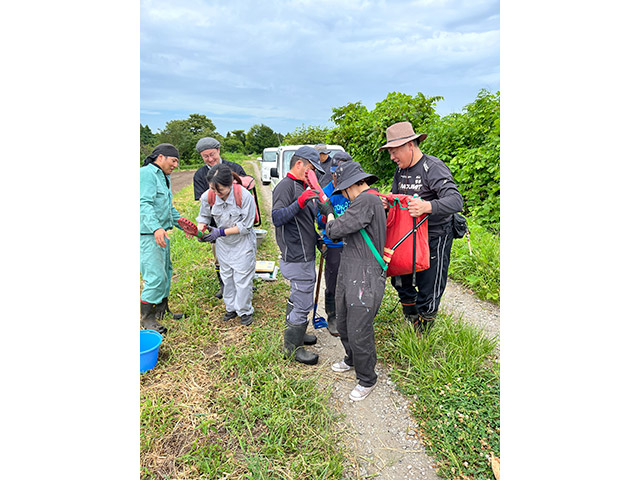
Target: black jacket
{"points": [[295, 227], [431, 179], [200, 184]]}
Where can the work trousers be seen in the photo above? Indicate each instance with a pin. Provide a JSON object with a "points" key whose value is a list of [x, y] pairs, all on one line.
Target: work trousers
{"points": [[302, 278], [430, 283], [156, 269], [331, 266], [359, 292]]}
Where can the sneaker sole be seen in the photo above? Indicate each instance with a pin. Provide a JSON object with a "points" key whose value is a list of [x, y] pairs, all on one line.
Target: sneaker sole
{"points": [[341, 370]]}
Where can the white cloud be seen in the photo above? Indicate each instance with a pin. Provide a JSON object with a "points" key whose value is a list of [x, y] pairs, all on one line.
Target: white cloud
{"points": [[259, 59]]}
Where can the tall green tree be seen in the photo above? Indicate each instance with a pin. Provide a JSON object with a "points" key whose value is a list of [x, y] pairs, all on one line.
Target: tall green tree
{"points": [[310, 135], [362, 132], [147, 142], [260, 137], [469, 143], [184, 134]]}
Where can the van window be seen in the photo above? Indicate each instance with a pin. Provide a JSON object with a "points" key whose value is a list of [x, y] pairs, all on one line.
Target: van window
{"points": [[269, 156]]}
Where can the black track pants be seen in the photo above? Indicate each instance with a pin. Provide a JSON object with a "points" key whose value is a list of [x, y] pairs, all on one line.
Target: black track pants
{"points": [[430, 283]]}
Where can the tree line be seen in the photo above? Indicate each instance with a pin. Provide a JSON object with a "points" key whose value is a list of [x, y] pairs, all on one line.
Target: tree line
{"points": [[468, 142]]}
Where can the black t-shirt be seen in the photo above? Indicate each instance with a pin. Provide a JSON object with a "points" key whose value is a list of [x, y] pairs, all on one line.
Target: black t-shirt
{"points": [[431, 179]]}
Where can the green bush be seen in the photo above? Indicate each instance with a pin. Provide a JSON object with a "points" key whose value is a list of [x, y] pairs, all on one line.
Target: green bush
{"points": [[468, 142]]}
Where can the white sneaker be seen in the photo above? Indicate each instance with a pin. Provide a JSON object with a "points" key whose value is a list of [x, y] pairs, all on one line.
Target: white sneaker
{"points": [[340, 367], [360, 392]]}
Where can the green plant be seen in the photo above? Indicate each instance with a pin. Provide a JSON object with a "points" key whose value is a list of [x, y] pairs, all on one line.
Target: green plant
{"points": [[222, 401], [453, 378], [469, 143], [478, 268]]}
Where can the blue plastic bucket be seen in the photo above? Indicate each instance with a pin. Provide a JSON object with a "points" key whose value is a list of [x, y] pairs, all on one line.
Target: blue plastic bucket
{"points": [[150, 341]]}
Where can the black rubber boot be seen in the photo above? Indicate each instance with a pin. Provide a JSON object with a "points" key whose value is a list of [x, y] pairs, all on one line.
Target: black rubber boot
{"points": [[308, 338], [424, 323], [330, 308], [293, 339], [220, 291], [149, 315], [410, 313], [164, 305]]}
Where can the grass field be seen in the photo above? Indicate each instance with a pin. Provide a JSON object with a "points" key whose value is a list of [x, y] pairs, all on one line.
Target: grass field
{"points": [[223, 402]]}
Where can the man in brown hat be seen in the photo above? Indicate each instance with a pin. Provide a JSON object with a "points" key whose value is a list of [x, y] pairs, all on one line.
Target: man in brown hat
{"points": [[430, 179]]}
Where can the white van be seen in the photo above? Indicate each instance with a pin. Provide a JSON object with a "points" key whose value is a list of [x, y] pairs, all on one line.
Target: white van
{"points": [[268, 160], [284, 159]]}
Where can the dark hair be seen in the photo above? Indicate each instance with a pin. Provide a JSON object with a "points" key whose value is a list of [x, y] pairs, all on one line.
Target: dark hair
{"points": [[222, 175], [295, 158]]}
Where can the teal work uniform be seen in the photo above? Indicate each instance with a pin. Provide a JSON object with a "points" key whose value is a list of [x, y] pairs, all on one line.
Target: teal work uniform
{"points": [[156, 211]]}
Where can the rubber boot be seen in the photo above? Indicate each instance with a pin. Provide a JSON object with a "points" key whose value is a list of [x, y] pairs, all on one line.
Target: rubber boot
{"points": [[308, 339], [220, 291], [330, 308], [424, 323], [293, 339], [410, 313], [149, 318], [165, 309]]}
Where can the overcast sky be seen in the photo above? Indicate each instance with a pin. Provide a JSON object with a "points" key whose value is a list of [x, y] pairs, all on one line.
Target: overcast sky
{"points": [[288, 63]]}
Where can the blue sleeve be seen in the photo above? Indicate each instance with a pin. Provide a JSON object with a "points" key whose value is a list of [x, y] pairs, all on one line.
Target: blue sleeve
{"points": [[285, 215]]}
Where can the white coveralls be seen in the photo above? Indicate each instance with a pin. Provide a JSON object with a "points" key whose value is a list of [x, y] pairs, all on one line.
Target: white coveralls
{"points": [[236, 252]]}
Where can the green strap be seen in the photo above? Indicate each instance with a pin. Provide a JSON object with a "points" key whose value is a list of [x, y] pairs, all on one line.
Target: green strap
{"points": [[373, 249]]}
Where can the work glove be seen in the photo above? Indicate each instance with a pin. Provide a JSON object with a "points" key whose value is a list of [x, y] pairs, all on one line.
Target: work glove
{"points": [[306, 196], [211, 237], [325, 209]]}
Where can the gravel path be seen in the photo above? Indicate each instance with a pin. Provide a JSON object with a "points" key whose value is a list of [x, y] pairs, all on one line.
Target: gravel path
{"points": [[381, 435]]}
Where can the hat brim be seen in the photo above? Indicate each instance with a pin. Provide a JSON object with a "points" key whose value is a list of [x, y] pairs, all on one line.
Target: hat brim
{"points": [[347, 182], [401, 141], [316, 166]]}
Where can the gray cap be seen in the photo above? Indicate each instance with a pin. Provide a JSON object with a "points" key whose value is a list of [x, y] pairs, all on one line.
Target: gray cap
{"points": [[322, 148], [310, 154], [207, 143]]}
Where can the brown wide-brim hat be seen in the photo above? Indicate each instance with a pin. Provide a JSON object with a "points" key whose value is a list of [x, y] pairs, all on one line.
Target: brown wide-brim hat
{"points": [[400, 133]]}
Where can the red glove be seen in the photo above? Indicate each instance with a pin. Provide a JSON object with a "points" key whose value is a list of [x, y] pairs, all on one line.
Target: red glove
{"points": [[306, 196]]}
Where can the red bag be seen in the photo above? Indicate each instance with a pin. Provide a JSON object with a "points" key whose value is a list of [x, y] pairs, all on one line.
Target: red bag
{"points": [[399, 223]]}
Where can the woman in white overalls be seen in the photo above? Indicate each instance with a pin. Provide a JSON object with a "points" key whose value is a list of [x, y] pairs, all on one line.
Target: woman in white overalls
{"points": [[235, 239]]}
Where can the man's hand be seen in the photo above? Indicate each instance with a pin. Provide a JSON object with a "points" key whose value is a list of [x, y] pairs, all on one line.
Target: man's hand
{"points": [[326, 209], [418, 207], [306, 196], [160, 235], [322, 248]]}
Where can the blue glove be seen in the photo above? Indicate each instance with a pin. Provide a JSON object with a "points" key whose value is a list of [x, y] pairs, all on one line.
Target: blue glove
{"points": [[211, 237]]}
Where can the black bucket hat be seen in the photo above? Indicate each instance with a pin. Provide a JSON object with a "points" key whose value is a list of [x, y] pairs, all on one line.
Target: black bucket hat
{"points": [[349, 173]]}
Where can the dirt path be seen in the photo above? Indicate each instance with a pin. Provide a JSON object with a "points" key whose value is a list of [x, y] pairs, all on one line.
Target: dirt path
{"points": [[380, 432]]}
